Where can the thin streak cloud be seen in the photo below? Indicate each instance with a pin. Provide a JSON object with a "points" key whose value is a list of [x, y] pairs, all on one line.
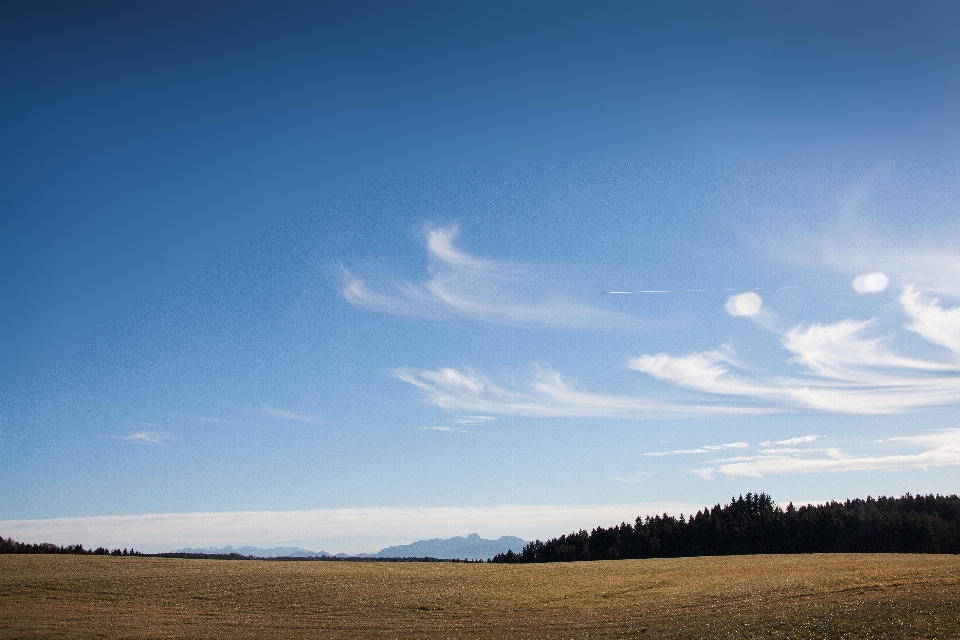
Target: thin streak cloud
{"points": [[146, 437], [548, 395], [704, 449], [790, 441], [283, 414], [944, 451]]}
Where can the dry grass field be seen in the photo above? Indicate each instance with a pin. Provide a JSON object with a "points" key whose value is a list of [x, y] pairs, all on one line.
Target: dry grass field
{"points": [[800, 596]]}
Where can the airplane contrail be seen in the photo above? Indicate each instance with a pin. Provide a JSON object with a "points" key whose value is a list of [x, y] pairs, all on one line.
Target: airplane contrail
{"points": [[825, 286]]}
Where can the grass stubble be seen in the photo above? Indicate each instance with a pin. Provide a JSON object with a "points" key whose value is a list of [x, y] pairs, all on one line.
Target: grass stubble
{"points": [[785, 596]]}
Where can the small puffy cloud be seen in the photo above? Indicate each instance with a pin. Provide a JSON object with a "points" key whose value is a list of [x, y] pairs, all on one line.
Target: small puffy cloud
{"points": [[744, 304], [932, 269], [871, 282]]}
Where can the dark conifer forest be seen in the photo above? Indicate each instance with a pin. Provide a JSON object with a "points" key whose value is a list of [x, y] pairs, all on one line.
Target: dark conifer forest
{"points": [[755, 524], [9, 545]]}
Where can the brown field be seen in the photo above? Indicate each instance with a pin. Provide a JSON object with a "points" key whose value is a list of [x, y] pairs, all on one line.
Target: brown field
{"points": [[800, 596]]}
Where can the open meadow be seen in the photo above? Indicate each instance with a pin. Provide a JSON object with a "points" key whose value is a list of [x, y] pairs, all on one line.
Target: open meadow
{"points": [[786, 596]]}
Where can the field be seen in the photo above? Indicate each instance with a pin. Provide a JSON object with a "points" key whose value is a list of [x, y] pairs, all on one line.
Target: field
{"points": [[800, 596]]}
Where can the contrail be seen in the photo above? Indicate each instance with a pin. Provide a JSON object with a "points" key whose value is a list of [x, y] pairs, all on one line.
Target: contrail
{"points": [[825, 286]]}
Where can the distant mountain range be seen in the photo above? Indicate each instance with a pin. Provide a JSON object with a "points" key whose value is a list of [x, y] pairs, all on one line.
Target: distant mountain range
{"points": [[473, 547], [259, 552]]}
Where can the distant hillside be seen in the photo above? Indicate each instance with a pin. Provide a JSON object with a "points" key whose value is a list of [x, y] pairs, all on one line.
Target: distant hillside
{"points": [[258, 552], [473, 547]]}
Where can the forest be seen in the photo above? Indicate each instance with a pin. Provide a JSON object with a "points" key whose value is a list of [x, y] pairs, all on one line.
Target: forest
{"points": [[9, 545], [754, 524]]}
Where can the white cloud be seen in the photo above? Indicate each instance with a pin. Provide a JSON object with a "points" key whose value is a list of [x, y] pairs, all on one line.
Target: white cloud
{"points": [[838, 351], [146, 437], [932, 270], [443, 428], [942, 438], [704, 449], [744, 304], [637, 476], [945, 451], [473, 419], [935, 324], [283, 414], [871, 282], [790, 441], [457, 424], [363, 530], [705, 371], [548, 395], [488, 290], [842, 369]]}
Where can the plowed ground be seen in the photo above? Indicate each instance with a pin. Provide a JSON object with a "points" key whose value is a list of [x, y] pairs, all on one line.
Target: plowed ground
{"points": [[799, 596]]}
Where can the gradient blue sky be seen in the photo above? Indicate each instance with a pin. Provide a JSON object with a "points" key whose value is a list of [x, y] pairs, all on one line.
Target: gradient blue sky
{"points": [[285, 271]]}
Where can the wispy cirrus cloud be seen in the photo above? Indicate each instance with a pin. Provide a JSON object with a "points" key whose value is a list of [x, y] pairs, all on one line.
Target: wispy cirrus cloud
{"points": [[458, 424], [283, 414], [791, 441], [842, 368], [146, 437], [462, 285], [443, 428], [937, 325], [547, 395], [465, 420], [942, 449], [703, 449]]}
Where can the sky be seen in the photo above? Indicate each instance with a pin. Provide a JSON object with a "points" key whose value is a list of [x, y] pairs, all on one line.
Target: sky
{"points": [[349, 275]]}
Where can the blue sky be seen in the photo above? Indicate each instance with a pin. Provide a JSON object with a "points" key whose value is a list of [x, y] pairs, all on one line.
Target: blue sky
{"points": [[280, 273]]}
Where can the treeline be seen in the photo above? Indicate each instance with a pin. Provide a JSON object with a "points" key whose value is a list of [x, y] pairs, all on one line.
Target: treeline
{"points": [[238, 556], [755, 524], [9, 545]]}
